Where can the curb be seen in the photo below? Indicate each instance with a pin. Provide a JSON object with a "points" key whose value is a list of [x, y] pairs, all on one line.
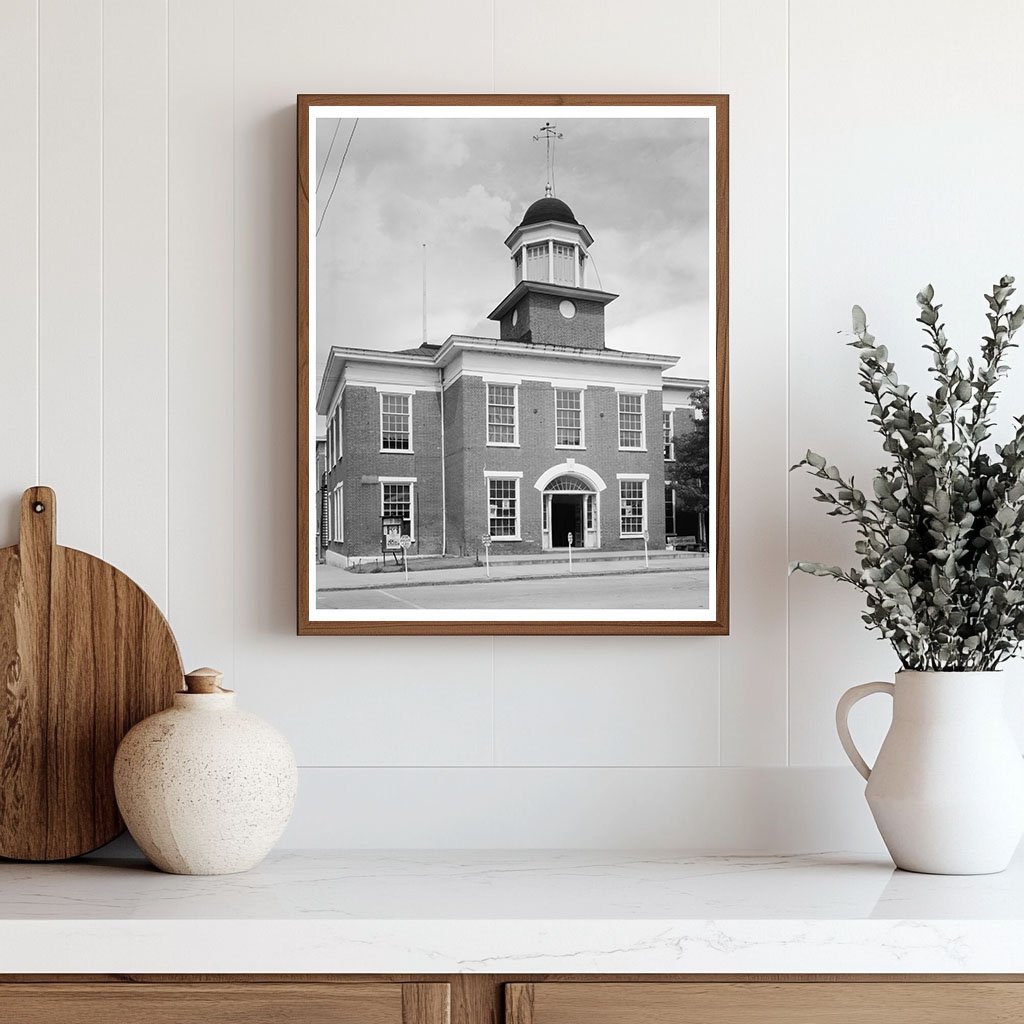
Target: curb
{"points": [[512, 579]]}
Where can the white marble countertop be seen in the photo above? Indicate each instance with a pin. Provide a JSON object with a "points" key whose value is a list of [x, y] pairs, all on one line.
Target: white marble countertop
{"points": [[510, 912]]}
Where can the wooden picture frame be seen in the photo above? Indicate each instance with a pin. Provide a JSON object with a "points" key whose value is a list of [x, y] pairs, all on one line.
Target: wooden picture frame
{"points": [[370, 396]]}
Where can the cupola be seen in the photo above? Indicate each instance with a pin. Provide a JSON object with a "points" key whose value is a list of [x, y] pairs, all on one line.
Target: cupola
{"points": [[551, 302], [550, 245]]}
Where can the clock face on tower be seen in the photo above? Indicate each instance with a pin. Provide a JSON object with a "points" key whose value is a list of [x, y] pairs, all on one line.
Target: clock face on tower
{"points": [[567, 309]]}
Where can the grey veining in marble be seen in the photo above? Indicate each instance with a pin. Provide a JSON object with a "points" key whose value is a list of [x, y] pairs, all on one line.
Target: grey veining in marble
{"points": [[511, 911]]}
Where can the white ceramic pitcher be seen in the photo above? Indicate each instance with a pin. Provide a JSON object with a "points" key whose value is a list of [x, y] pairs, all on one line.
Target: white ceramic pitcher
{"points": [[947, 789]]}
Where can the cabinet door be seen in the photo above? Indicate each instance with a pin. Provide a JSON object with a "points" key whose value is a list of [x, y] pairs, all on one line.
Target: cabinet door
{"points": [[871, 1002], [228, 1003]]}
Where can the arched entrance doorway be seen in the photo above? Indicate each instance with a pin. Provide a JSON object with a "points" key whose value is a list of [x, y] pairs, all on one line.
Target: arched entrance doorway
{"points": [[570, 508], [570, 495]]}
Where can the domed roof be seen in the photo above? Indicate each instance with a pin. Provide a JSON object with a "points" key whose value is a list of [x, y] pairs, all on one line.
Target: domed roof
{"points": [[548, 208]]}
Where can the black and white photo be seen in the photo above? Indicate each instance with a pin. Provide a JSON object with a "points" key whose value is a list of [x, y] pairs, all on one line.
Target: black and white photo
{"points": [[514, 352]]}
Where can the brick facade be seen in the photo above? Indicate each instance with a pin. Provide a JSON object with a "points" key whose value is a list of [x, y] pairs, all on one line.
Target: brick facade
{"points": [[364, 464], [468, 457], [538, 317]]}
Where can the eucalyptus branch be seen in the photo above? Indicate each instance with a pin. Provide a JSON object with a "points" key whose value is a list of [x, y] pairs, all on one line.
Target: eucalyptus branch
{"points": [[941, 539]]}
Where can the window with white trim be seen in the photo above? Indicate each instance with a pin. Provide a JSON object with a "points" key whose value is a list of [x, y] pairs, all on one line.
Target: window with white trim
{"points": [[666, 424], [631, 421], [334, 437], [338, 513], [503, 508], [670, 510], [395, 423], [632, 495], [568, 418], [502, 426], [396, 501]]}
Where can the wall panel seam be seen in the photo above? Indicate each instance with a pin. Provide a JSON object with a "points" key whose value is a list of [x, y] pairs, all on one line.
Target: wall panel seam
{"points": [[788, 384], [234, 332], [38, 201], [103, 280], [718, 659], [167, 309]]}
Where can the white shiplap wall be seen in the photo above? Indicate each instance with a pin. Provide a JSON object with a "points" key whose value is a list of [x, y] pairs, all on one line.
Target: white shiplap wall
{"points": [[147, 296]]}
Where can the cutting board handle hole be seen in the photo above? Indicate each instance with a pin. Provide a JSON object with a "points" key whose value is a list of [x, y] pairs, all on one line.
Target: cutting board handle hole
{"points": [[38, 506]]}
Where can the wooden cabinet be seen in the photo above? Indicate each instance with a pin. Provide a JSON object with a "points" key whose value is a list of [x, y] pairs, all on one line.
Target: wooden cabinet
{"points": [[240, 1002], [494, 999], [793, 1002]]}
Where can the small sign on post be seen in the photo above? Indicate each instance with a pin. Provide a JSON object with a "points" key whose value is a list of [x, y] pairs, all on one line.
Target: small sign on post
{"points": [[406, 542], [390, 534], [647, 560], [486, 541], [570, 552]]}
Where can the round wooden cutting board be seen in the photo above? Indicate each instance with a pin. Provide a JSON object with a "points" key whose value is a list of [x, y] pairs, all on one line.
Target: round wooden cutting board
{"points": [[84, 655]]}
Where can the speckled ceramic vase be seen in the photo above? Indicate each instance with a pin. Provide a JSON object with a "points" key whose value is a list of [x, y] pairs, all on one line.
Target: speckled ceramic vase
{"points": [[205, 789]]}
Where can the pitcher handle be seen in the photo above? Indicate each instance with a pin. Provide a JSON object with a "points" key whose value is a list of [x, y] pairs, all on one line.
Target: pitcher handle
{"points": [[846, 702]]}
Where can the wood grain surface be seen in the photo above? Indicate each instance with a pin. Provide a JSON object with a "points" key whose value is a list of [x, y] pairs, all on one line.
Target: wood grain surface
{"points": [[225, 1004], [785, 1003], [519, 999], [84, 655]]}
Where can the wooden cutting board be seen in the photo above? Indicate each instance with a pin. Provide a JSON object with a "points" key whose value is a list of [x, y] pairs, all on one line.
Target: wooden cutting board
{"points": [[84, 655]]}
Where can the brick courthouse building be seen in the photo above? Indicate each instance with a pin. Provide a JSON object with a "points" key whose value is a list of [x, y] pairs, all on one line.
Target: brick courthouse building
{"points": [[540, 433]]}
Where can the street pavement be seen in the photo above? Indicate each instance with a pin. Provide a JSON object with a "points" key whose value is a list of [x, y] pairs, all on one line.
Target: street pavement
{"points": [[334, 577], [660, 588]]}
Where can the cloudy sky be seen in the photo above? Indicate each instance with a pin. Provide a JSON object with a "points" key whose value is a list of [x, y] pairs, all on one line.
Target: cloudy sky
{"points": [[461, 184]]}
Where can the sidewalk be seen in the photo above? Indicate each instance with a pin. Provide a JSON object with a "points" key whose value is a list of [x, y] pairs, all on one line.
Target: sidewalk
{"points": [[515, 567]]}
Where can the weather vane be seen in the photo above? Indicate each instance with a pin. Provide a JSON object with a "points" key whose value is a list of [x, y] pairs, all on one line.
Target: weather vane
{"points": [[549, 133]]}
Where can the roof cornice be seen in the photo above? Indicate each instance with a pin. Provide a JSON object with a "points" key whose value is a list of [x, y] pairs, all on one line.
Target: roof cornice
{"points": [[338, 357], [580, 229], [593, 355], [566, 291]]}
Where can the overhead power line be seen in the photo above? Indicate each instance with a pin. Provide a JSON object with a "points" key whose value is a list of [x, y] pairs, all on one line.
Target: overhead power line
{"points": [[330, 149], [337, 176]]}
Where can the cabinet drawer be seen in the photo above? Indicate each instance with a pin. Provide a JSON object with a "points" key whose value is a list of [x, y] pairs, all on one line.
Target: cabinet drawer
{"points": [[867, 1002], [217, 1003]]}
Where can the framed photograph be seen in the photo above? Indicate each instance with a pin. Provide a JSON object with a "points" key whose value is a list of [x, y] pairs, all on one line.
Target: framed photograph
{"points": [[512, 364]]}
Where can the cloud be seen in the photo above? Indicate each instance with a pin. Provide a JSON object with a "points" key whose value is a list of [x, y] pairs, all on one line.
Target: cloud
{"points": [[679, 331], [459, 185]]}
